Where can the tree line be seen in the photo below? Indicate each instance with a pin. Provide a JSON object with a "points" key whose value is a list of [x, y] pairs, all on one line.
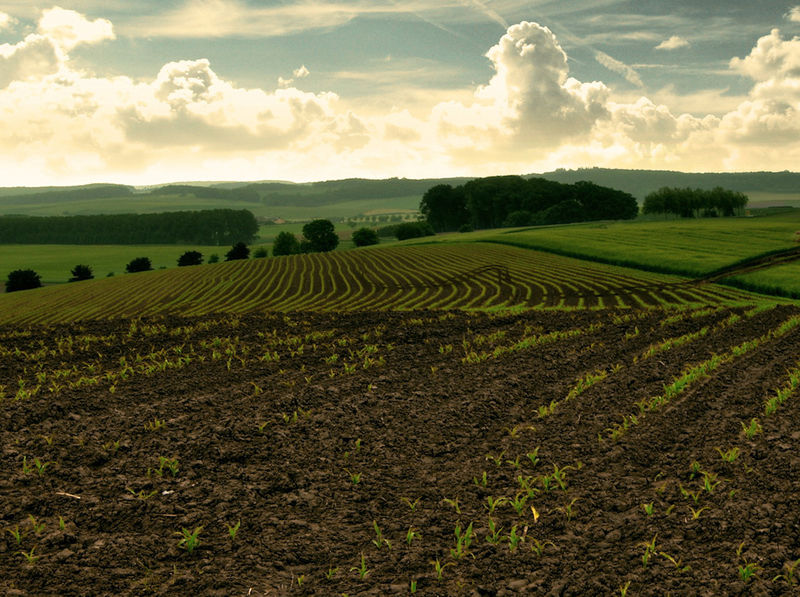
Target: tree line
{"points": [[206, 227], [689, 203], [516, 201]]}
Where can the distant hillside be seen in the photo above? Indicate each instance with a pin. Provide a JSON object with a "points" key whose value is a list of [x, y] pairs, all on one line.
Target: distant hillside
{"points": [[349, 197], [640, 183]]}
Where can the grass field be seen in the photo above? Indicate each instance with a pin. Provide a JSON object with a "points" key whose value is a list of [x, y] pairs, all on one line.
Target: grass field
{"points": [[161, 203], [54, 262], [684, 247]]}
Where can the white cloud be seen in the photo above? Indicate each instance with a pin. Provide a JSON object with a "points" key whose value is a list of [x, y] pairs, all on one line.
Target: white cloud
{"points": [[673, 43], [59, 125], [68, 28], [6, 21], [772, 57], [794, 14], [33, 57], [612, 64]]}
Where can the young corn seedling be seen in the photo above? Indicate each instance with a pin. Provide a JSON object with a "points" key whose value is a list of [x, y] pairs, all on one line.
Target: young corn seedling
{"points": [[752, 428], [233, 529], [411, 534], [537, 546], [16, 534], [379, 540], [482, 481], [649, 550], [568, 509], [677, 563], [189, 539], [355, 478], [413, 505], [331, 572], [559, 475], [494, 533], [710, 481], [518, 503], [37, 527], [747, 572], [514, 463], [648, 508], [413, 587], [492, 504], [696, 513], [694, 470], [514, 538], [534, 456], [170, 463], [439, 567], [362, 569], [497, 460], [623, 589], [28, 555], [154, 425], [789, 577], [729, 456], [463, 541], [453, 504]]}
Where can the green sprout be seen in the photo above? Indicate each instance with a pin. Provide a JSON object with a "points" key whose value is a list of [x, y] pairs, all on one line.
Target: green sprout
{"points": [[379, 540], [362, 569], [233, 529], [411, 534], [730, 455], [439, 567], [463, 541], [189, 540]]}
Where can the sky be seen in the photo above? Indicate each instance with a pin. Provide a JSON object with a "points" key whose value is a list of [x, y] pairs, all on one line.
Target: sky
{"points": [[155, 91]]}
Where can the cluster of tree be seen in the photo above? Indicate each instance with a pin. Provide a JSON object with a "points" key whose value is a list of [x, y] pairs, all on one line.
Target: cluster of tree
{"points": [[207, 227], [245, 193], [58, 194], [515, 201], [319, 236], [690, 203]]}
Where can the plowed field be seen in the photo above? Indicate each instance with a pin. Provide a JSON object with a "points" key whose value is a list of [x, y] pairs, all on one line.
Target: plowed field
{"points": [[448, 453]]}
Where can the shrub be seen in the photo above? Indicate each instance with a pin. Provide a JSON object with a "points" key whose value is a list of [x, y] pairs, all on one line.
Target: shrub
{"points": [[239, 251], [364, 237], [140, 264], [260, 253], [190, 258], [213, 258], [23, 279], [81, 272], [285, 244], [413, 230]]}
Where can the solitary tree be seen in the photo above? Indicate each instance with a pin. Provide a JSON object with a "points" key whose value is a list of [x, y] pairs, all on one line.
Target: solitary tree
{"points": [[364, 237], [239, 251], [190, 258], [81, 272], [23, 279], [285, 244], [320, 236], [140, 264]]}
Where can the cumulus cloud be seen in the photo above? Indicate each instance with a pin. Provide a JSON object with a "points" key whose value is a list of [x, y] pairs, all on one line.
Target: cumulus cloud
{"points": [[620, 68], [673, 43], [68, 28], [794, 14], [33, 57], [69, 126], [6, 21]]}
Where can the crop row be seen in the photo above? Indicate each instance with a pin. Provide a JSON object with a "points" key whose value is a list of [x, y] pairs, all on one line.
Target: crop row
{"points": [[469, 276]]}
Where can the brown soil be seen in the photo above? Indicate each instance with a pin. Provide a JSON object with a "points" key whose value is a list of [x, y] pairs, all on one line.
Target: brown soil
{"points": [[416, 429]]}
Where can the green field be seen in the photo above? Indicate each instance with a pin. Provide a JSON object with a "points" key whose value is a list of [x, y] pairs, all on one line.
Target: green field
{"points": [[54, 262], [457, 276], [685, 247], [146, 203]]}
